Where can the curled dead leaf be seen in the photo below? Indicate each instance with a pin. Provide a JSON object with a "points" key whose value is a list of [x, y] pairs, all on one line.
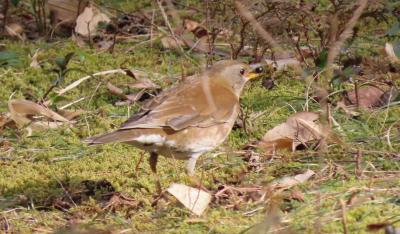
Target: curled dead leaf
{"points": [[300, 128], [69, 114], [196, 28], [15, 30], [23, 112], [391, 53], [34, 117], [370, 97], [127, 98], [88, 20], [34, 62]]}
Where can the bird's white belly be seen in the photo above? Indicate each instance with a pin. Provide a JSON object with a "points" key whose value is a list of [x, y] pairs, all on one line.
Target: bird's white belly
{"points": [[184, 146]]}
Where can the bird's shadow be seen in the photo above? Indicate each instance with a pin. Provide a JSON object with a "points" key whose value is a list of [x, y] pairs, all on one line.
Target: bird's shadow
{"points": [[59, 194]]}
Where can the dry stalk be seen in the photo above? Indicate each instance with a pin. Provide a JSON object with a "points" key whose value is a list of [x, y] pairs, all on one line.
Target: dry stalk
{"points": [[164, 15], [334, 49], [344, 220], [245, 13]]}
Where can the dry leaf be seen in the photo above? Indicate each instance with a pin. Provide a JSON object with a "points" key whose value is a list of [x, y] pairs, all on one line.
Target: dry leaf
{"points": [[65, 11], [299, 129], [23, 112], [128, 98], [196, 28], [370, 97], [297, 195], [391, 54], [195, 200], [34, 63], [115, 90], [88, 20], [15, 30], [290, 181], [70, 115]]}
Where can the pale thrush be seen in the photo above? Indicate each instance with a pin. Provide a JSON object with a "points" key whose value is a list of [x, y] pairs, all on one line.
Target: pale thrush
{"points": [[189, 119]]}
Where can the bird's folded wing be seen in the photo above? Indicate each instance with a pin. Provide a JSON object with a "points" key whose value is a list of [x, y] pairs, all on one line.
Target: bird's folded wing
{"points": [[187, 107]]}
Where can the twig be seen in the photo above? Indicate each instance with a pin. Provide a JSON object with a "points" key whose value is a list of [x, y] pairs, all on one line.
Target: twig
{"points": [[6, 226], [5, 11], [65, 191], [164, 15], [72, 103], [358, 163], [152, 27], [335, 47], [245, 13], [344, 220], [78, 82]]}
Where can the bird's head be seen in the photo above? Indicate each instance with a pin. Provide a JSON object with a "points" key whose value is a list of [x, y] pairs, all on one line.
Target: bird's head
{"points": [[234, 74]]}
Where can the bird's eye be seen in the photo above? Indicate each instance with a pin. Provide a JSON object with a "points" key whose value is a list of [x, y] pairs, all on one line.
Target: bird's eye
{"points": [[259, 70], [242, 71]]}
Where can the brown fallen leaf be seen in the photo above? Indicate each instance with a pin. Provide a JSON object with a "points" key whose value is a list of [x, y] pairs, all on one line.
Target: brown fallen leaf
{"points": [[88, 20], [33, 116], [70, 115], [22, 112], [296, 194], [127, 98], [300, 128], [115, 90], [15, 30], [370, 97], [65, 11], [196, 28]]}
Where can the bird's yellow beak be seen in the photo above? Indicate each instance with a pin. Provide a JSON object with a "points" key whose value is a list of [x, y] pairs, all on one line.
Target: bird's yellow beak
{"points": [[255, 73]]}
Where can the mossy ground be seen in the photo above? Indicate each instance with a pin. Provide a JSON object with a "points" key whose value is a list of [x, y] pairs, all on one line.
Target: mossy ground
{"points": [[31, 174]]}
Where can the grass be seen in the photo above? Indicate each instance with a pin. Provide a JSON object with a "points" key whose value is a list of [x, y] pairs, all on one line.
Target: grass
{"points": [[41, 167]]}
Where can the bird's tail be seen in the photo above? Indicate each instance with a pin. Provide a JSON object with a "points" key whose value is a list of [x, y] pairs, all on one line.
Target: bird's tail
{"points": [[116, 136]]}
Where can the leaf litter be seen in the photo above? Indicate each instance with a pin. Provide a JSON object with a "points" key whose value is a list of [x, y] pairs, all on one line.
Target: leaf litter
{"points": [[299, 129], [33, 116]]}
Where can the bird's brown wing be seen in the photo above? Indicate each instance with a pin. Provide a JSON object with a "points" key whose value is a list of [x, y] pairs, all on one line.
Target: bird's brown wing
{"points": [[185, 106]]}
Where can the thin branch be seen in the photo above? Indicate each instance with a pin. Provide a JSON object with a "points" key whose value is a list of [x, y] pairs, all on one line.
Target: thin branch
{"points": [[335, 47], [245, 13]]}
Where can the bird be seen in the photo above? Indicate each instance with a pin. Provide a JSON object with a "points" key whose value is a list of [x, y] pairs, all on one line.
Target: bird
{"points": [[188, 119]]}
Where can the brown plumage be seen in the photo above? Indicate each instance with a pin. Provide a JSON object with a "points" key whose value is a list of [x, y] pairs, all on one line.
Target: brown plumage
{"points": [[189, 119]]}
